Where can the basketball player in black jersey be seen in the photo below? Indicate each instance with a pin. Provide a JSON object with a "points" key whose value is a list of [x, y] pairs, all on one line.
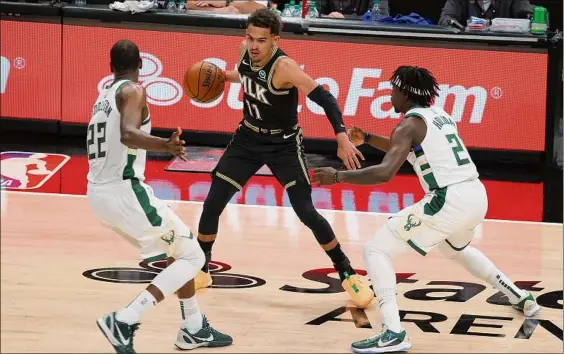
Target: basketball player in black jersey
{"points": [[269, 134]]}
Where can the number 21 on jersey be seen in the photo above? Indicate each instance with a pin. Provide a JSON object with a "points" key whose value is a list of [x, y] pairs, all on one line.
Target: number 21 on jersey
{"points": [[96, 136]]}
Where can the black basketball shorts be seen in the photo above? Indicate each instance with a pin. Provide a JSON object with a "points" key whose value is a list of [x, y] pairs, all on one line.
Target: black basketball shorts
{"points": [[248, 151]]}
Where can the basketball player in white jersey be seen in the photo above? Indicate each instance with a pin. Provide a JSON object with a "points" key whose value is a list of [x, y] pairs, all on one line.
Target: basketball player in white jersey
{"points": [[117, 141], [455, 202]]}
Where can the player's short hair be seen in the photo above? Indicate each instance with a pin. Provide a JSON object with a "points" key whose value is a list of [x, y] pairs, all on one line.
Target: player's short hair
{"points": [[418, 83], [124, 56], [265, 18]]}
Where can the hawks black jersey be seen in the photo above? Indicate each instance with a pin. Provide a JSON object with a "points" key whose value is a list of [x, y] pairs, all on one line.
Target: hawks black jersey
{"points": [[263, 105]]}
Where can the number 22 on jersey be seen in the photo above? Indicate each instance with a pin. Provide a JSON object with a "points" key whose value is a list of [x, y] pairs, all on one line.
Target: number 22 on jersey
{"points": [[96, 136]]}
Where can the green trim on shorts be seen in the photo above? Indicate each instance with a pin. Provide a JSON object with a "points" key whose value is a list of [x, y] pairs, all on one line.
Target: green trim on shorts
{"points": [[140, 192], [128, 171], [458, 249], [436, 203], [415, 247], [159, 257], [143, 198]]}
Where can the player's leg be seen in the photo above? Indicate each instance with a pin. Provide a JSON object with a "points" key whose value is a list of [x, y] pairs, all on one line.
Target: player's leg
{"points": [[195, 330], [458, 249], [378, 255], [135, 212], [410, 229], [290, 168], [236, 166]]}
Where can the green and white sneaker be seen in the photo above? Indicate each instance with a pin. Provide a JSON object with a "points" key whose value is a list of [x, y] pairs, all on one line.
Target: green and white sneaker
{"points": [[528, 305], [119, 334], [386, 341], [205, 337]]}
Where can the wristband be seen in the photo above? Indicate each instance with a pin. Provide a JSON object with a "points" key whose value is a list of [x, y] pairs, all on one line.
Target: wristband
{"points": [[367, 137], [335, 178]]}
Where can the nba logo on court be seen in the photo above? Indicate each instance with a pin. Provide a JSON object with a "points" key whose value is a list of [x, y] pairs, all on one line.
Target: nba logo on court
{"points": [[28, 170]]}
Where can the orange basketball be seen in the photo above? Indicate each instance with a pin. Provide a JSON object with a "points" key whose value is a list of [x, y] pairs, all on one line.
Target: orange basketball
{"points": [[204, 82]]}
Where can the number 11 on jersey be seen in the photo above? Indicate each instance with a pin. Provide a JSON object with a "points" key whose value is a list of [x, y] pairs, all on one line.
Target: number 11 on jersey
{"points": [[253, 110]]}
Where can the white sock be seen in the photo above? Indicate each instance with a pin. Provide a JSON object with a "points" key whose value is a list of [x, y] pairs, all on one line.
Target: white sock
{"points": [[378, 255], [482, 267], [383, 277], [383, 280], [191, 315], [136, 308]]}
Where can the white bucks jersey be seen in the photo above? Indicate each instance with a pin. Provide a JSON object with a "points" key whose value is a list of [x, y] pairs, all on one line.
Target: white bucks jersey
{"points": [[441, 159], [108, 159]]}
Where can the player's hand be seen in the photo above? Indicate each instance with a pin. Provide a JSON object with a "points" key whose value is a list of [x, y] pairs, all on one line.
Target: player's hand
{"points": [[324, 176], [356, 136], [348, 152], [176, 146], [210, 3], [336, 14]]}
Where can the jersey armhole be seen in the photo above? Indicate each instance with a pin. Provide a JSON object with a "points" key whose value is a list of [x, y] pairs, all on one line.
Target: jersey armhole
{"points": [[420, 116], [271, 88]]}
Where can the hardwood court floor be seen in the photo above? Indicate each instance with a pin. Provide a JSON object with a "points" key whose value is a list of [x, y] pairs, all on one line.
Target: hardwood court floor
{"points": [[48, 241]]}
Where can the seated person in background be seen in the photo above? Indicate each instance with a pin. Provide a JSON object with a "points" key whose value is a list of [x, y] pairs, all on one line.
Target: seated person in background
{"points": [[346, 8], [230, 6], [462, 10]]}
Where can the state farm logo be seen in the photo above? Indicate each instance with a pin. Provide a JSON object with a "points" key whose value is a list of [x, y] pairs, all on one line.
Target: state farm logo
{"points": [[462, 102], [161, 91], [19, 63]]}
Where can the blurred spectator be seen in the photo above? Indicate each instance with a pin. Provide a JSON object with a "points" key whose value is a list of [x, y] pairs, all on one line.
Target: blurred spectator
{"points": [[346, 8], [230, 6], [462, 10]]}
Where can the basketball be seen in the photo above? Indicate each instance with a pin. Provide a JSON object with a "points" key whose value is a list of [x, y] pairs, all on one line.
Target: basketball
{"points": [[204, 82]]}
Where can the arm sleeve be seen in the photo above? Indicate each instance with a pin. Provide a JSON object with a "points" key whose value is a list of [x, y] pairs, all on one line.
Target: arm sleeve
{"points": [[329, 104]]}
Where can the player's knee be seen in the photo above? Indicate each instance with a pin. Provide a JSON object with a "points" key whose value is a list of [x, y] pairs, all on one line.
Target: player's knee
{"points": [[307, 214], [189, 250], [219, 195], [196, 258], [448, 251]]}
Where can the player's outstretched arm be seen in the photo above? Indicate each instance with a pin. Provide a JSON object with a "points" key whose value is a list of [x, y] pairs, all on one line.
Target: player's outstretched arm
{"points": [[131, 102], [400, 144], [232, 76], [289, 72]]}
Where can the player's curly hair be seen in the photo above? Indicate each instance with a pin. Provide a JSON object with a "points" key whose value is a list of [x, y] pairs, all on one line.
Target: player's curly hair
{"points": [[124, 56], [265, 18], [418, 83]]}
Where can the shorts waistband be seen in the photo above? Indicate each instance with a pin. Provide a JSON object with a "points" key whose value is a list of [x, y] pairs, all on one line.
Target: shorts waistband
{"points": [[264, 130]]}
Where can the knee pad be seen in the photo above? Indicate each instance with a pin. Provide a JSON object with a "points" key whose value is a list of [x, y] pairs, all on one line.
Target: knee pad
{"points": [[219, 195], [180, 243], [174, 276], [189, 250], [447, 250]]}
